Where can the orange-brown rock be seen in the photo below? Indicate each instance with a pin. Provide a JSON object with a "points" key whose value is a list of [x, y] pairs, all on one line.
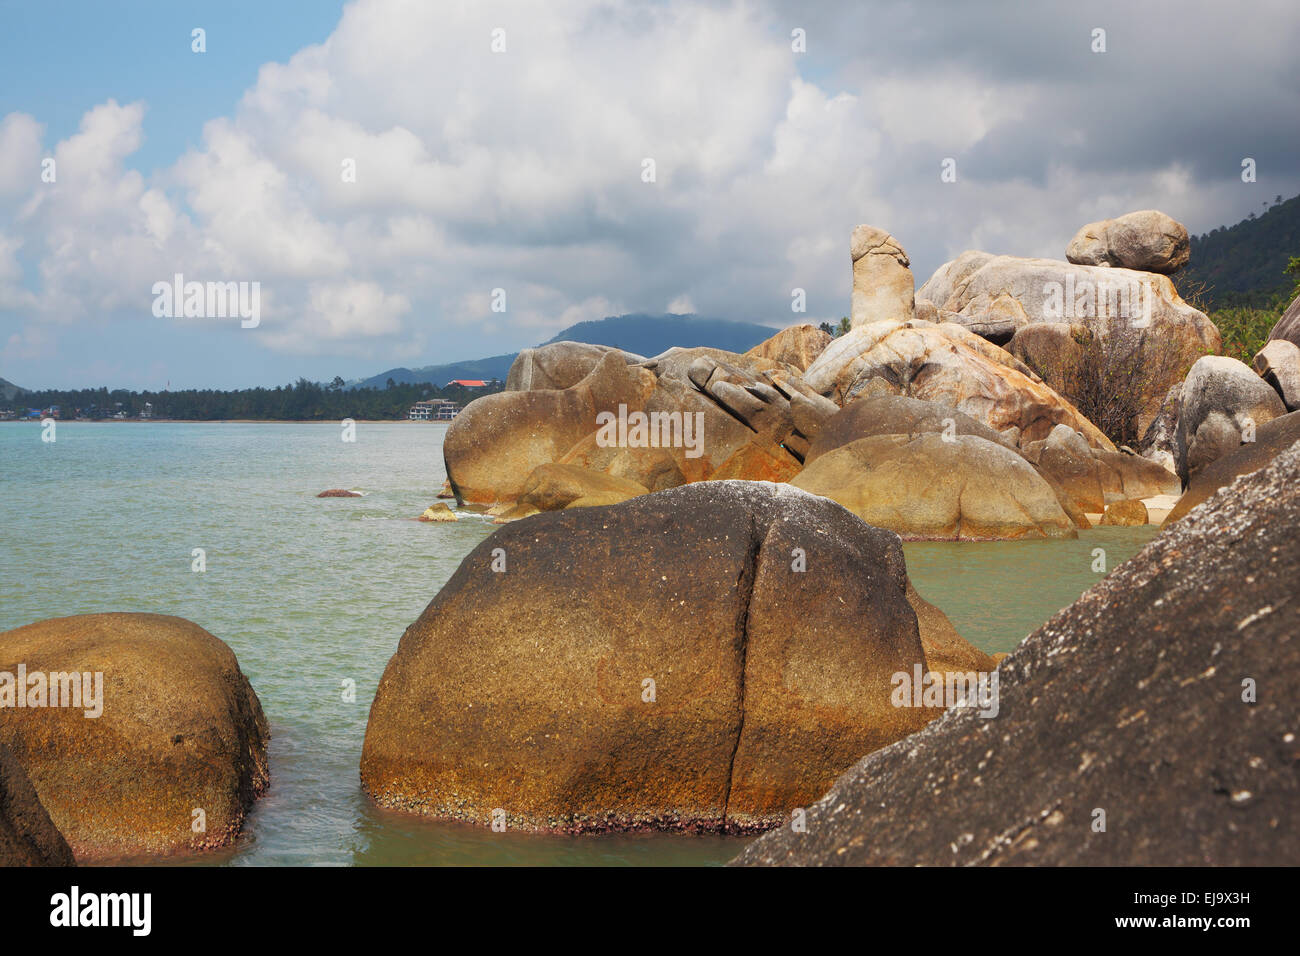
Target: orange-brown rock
{"points": [[707, 657], [798, 346], [27, 835], [180, 738], [949, 365], [928, 488], [493, 445]]}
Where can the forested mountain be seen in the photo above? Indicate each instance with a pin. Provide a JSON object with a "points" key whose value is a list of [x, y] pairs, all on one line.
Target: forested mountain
{"points": [[1243, 265], [638, 332]]}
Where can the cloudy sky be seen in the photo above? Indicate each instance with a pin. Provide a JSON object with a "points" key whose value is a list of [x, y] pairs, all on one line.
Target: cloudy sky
{"points": [[524, 168]]}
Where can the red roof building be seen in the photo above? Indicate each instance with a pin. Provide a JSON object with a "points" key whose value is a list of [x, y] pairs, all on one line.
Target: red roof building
{"points": [[468, 382]]}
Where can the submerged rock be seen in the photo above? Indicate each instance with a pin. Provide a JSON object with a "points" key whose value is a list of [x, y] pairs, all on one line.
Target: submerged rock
{"points": [[179, 741], [339, 493], [700, 658], [1152, 722], [439, 511]]}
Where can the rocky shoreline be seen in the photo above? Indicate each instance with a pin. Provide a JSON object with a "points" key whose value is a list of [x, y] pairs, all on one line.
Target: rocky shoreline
{"points": [[696, 614]]}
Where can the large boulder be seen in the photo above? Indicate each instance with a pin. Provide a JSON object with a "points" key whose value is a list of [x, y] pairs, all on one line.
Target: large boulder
{"points": [[951, 366], [1278, 363], [492, 446], [552, 487], [883, 287], [1008, 293], [1130, 329], [653, 468], [930, 488], [1094, 477], [895, 415], [665, 663], [1159, 441], [1223, 403], [28, 837], [1288, 327], [797, 346], [1152, 723], [559, 365], [1129, 513], [1272, 438], [163, 725], [1147, 240]]}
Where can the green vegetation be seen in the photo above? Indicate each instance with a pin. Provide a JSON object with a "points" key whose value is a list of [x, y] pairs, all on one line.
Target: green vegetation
{"points": [[1244, 331], [1245, 266], [303, 401]]}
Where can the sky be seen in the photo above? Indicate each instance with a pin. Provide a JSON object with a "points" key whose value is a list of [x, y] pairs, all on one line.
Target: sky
{"points": [[412, 183]]}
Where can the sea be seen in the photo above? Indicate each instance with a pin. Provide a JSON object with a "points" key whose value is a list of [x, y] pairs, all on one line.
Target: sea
{"points": [[313, 594]]}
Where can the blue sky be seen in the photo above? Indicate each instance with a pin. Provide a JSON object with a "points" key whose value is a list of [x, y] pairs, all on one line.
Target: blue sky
{"points": [[60, 58], [521, 169]]}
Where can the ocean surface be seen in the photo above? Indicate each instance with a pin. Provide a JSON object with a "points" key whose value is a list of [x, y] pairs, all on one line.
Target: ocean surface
{"points": [[310, 593]]}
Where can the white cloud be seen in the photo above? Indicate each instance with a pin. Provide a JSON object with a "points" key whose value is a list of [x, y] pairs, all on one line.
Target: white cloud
{"points": [[522, 171]]}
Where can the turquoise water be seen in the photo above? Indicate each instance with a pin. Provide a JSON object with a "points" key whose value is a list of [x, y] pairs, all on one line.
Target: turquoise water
{"points": [[312, 592]]}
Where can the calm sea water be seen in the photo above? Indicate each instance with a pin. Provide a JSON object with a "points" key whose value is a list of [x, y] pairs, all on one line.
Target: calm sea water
{"points": [[312, 592]]}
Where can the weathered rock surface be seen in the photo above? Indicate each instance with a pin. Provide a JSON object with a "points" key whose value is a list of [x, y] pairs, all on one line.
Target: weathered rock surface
{"points": [[1271, 439], [1093, 477], [948, 365], [1128, 513], [27, 835], [1288, 327], [895, 415], [655, 469], [559, 365], [1159, 440], [1012, 292], [1135, 318], [439, 511], [1147, 240], [180, 730], [1223, 400], [1131, 702], [528, 688], [797, 346], [1278, 363], [883, 287], [931, 489], [492, 446], [339, 493], [552, 487]]}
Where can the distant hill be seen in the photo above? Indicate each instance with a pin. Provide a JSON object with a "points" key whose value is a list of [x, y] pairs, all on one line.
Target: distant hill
{"points": [[8, 390], [640, 333], [649, 335], [1242, 265]]}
